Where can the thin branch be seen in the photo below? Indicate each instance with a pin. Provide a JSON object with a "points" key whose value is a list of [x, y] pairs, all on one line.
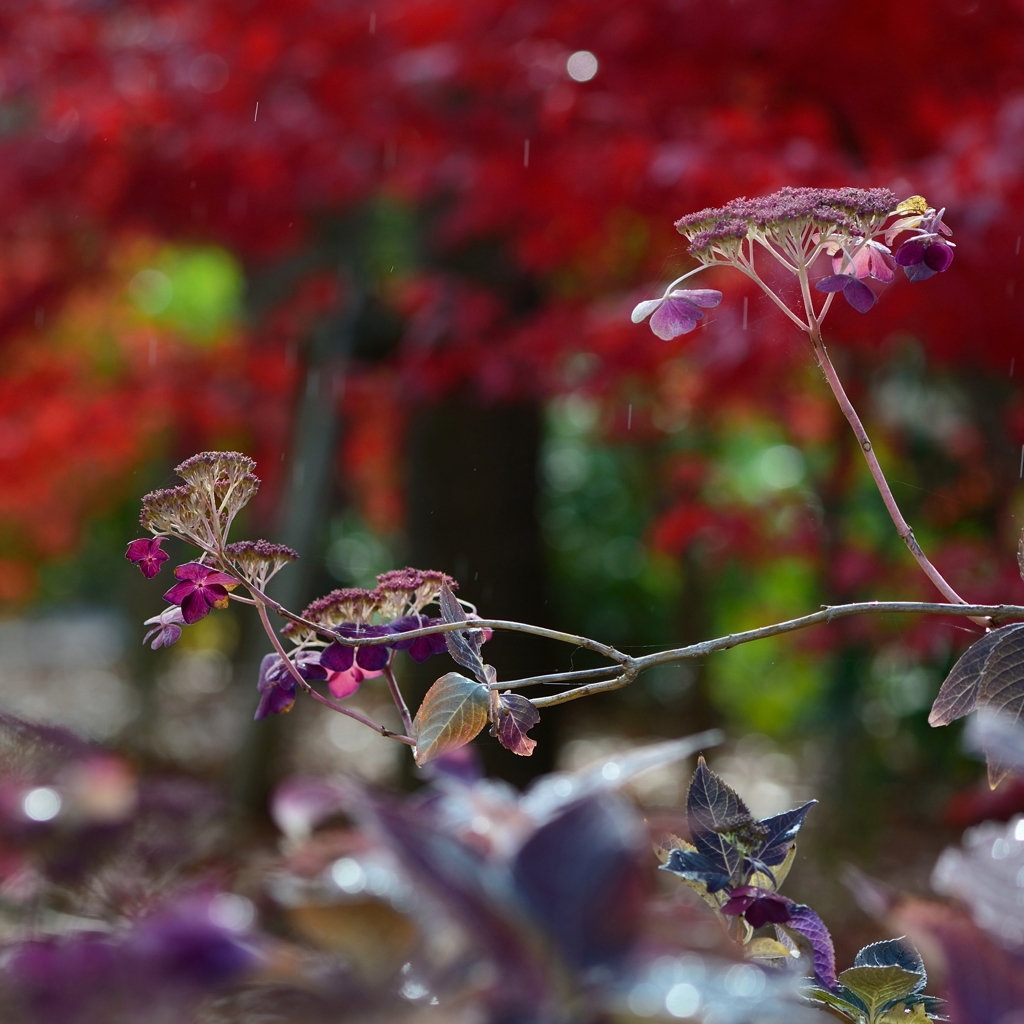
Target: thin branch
{"points": [[554, 677], [902, 527], [995, 612], [396, 695]]}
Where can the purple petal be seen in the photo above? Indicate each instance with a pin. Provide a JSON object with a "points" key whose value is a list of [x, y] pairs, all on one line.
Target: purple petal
{"points": [[274, 701], [170, 634], [805, 921], [938, 257], [859, 295], [195, 607], [372, 659], [706, 297], [910, 253], [675, 317], [179, 592], [770, 908], [919, 272], [833, 283], [337, 657], [420, 649], [199, 573]]}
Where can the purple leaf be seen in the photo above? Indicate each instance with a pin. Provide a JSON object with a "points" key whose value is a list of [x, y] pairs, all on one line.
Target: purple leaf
{"points": [[464, 647], [583, 877], [516, 716], [805, 921], [711, 804], [782, 830]]}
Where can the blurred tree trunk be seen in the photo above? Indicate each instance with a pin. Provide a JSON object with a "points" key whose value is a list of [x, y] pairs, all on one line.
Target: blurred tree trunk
{"points": [[301, 519], [473, 493]]}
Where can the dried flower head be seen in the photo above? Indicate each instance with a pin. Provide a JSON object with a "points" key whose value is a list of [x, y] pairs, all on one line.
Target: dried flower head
{"points": [[259, 560], [171, 510], [207, 468], [407, 591], [719, 231], [218, 486], [348, 605]]}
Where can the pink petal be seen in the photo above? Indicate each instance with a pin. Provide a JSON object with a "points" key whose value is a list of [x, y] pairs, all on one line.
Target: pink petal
{"points": [[344, 684], [675, 317], [706, 297], [879, 266]]}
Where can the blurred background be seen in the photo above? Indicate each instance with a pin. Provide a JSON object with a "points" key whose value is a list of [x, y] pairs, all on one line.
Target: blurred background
{"points": [[389, 249]]}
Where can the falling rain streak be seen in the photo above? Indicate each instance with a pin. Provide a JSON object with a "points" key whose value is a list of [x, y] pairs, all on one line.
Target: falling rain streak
{"points": [[526, 152]]}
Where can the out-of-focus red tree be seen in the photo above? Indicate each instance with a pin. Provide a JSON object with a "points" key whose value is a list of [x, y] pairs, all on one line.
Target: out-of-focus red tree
{"points": [[246, 124]]}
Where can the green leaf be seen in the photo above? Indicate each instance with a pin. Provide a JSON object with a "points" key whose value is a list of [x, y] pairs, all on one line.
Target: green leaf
{"points": [[877, 987], [836, 1001], [453, 711]]}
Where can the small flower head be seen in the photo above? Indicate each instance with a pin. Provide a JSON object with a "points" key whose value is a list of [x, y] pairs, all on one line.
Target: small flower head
{"points": [[758, 906], [146, 554], [277, 684], [348, 605], [849, 212], [166, 627], [869, 259], [201, 588], [259, 560], [407, 591], [208, 468], [923, 257], [929, 252], [678, 311]]}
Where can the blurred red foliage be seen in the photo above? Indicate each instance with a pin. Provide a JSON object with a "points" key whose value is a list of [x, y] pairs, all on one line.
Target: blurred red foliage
{"points": [[244, 123]]}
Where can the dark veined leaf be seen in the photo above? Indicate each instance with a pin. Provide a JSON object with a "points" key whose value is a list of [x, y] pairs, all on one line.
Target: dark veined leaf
{"points": [[989, 672], [695, 867], [880, 988], [899, 952], [805, 921], [712, 805], [782, 830], [453, 711], [516, 715], [464, 647]]}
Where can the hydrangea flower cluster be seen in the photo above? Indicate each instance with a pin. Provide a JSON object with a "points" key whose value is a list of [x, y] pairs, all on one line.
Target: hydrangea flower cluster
{"points": [[200, 511], [395, 605], [796, 226]]}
